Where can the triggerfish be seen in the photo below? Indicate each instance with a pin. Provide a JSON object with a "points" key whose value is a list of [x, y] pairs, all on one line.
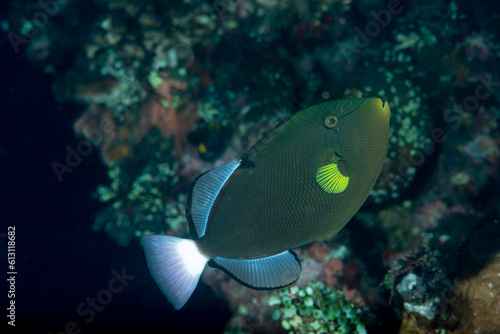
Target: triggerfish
{"points": [[299, 184]]}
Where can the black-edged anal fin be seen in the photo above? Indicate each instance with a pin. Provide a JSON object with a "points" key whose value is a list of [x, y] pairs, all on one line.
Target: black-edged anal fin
{"points": [[270, 272]]}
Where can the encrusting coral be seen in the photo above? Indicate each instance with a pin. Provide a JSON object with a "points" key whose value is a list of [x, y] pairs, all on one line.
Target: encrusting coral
{"points": [[315, 308]]}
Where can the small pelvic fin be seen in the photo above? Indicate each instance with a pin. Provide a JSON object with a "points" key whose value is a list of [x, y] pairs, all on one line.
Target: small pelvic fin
{"points": [[270, 272], [175, 264], [331, 180], [203, 193]]}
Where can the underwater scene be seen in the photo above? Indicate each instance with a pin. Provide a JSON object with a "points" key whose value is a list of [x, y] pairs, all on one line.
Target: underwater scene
{"points": [[250, 166]]}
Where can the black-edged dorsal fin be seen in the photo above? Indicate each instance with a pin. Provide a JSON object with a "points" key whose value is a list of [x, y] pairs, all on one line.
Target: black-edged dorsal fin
{"points": [[202, 195]]}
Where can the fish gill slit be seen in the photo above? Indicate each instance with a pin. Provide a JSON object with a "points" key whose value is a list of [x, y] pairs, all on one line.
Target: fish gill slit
{"points": [[340, 146]]}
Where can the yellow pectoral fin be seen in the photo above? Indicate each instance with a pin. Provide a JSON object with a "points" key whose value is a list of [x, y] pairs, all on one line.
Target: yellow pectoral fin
{"points": [[331, 180]]}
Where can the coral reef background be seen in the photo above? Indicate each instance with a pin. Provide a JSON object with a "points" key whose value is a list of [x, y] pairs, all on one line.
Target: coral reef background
{"points": [[112, 108]]}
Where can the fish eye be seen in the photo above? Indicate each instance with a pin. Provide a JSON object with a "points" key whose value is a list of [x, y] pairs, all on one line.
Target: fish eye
{"points": [[331, 121]]}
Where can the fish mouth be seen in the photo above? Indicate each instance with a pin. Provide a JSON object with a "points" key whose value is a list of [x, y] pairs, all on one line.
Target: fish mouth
{"points": [[386, 109]]}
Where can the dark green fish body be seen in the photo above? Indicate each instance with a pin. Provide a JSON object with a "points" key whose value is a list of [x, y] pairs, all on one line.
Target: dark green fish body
{"points": [[272, 203], [301, 183]]}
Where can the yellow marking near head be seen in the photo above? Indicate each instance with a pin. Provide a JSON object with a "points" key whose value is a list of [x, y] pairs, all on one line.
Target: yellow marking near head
{"points": [[331, 180]]}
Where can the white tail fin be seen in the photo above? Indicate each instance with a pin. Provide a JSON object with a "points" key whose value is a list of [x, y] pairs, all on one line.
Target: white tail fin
{"points": [[175, 264]]}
